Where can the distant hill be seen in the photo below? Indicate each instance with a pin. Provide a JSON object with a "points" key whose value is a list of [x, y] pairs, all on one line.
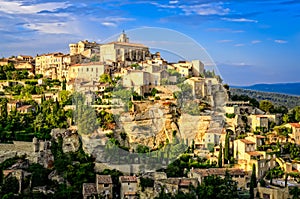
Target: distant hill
{"points": [[289, 101], [284, 88]]}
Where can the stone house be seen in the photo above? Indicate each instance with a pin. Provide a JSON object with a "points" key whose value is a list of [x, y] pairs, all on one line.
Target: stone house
{"points": [[273, 192], [246, 155], [85, 48], [142, 82], [26, 109], [295, 135], [129, 187], [238, 175], [173, 185], [89, 191], [87, 71], [259, 122], [54, 65], [13, 105], [195, 68], [103, 187], [198, 86]]}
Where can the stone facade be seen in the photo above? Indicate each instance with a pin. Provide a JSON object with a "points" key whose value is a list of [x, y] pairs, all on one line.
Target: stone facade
{"points": [[103, 188], [54, 65], [122, 50], [87, 71], [35, 151], [295, 135], [173, 185], [129, 187], [238, 175], [246, 154], [85, 48]]}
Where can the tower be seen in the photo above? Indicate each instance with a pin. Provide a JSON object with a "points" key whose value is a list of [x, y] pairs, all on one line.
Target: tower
{"points": [[123, 38], [36, 145]]}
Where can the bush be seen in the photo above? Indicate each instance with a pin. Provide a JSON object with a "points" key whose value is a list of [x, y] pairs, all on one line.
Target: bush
{"points": [[230, 115]]}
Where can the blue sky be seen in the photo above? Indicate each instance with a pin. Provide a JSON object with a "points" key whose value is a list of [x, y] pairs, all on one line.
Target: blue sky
{"points": [[250, 41]]}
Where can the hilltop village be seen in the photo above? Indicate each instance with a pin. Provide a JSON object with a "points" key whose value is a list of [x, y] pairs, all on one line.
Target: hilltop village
{"points": [[114, 120]]}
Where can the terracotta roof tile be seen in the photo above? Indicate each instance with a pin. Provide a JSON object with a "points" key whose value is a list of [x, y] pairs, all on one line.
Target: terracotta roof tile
{"points": [[128, 179], [247, 141], [296, 125], [218, 171], [104, 179], [89, 188], [254, 153]]}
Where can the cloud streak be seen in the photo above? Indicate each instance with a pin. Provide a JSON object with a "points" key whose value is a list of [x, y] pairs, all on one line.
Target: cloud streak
{"points": [[239, 20], [279, 41], [16, 7]]}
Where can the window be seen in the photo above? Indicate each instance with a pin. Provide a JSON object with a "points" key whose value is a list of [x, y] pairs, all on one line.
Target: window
{"points": [[87, 69], [106, 185]]}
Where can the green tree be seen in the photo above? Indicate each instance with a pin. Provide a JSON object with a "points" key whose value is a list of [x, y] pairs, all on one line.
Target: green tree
{"points": [[295, 192], [105, 78], [253, 182], [220, 156], [226, 148], [64, 85], [266, 106]]}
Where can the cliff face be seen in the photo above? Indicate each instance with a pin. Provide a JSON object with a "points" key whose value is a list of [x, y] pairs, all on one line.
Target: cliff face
{"points": [[151, 124], [154, 123]]}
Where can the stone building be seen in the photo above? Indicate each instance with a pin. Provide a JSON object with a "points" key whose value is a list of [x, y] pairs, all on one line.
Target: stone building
{"points": [[87, 71], [129, 187], [238, 175], [198, 87], [21, 62], [173, 185], [122, 50], [295, 135], [246, 154], [195, 68], [103, 188], [36, 151], [55, 65], [85, 48]]}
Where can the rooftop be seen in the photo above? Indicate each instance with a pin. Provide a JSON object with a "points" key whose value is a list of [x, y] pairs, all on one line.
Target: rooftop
{"points": [[128, 44], [296, 125], [89, 188], [247, 141], [127, 179], [218, 171], [254, 153], [104, 179]]}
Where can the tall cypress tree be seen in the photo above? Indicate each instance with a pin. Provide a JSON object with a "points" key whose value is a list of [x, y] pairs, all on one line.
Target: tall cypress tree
{"points": [[226, 150], [220, 156], [253, 182]]}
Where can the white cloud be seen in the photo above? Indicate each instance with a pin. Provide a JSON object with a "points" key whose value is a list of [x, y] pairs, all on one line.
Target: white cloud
{"points": [[240, 20], [224, 30], [255, 41], [205, 9], [163, 5], [109, 24], [279, 41], [53, 28], [225, 41], [173, 2], [17, 7], [112, 21]]}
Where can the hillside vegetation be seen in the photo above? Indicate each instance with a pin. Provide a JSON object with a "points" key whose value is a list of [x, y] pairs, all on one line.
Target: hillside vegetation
{"points": [[289, 101]]}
